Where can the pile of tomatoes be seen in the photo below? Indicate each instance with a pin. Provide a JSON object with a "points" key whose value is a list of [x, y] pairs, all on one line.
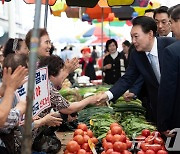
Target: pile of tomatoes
{"points": [[116, 141], [151, 143], [79, 144]]}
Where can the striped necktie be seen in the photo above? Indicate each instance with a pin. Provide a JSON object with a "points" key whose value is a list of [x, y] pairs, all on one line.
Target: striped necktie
{"points": [[154, 66]]}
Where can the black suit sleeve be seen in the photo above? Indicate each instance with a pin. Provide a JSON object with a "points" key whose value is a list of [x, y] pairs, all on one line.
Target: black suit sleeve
{"points": [[136, 88], [127, 80], [167, 90]]}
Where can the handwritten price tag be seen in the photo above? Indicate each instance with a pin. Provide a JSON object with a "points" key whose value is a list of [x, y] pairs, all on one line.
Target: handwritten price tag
{"points": [[92, 146]]}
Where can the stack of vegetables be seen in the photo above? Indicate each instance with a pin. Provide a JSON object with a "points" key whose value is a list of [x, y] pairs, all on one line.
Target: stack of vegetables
{"points": [[98, 119], [82, 141], [116, 141], [150, 143], [71, 94], [84, 91], [77, 94], [131, 116]]}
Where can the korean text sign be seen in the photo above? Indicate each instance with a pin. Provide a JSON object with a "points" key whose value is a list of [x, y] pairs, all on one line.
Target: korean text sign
{"points": [[41, 100]]}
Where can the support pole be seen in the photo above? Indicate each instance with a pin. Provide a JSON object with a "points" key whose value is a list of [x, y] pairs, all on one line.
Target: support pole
{"points": [[46, 13], [27, 134], [102, 47]]}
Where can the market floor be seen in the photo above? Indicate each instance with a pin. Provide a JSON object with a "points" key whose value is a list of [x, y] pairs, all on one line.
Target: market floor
{"points": [[64, 137]]}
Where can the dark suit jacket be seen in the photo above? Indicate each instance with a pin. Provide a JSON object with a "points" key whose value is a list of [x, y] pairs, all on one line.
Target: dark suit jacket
{"points": [[139, 65], [168, 115]]}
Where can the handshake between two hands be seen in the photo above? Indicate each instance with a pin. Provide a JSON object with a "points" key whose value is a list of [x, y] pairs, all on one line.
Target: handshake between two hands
{"points": [[98, 99]]}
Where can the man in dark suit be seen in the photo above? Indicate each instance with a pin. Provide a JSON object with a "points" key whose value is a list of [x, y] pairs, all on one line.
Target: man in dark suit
{"points": [[143, 37], [161, 17], [168, 108]]}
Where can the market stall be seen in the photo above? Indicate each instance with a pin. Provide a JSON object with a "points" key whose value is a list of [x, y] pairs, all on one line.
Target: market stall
{"points": [[119, 127]]}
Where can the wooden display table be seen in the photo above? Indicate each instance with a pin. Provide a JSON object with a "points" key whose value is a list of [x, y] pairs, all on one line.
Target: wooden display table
{"points": [[64, 137]]}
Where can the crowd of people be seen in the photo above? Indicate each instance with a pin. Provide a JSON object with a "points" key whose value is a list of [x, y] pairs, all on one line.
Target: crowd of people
{"points": [[155, 63], [15, 68], [150, 62]]}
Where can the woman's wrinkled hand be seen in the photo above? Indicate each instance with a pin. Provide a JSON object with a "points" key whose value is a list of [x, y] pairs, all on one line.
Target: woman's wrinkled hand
{"points": [[53, 119]]}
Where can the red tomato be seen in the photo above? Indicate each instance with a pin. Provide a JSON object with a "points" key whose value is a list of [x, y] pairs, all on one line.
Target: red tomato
{"points": [[89, 153], [145, 132], [123, 133], [122, 138], [94, 140], [127, 138], [78, 132], [103, 152], [162, 152], [72, 146], [125, 152], [104, 142], [140, 138], [119, 146], [86, 137], [129, 144], [150, 152], [149, 139], [109, 132], [154, 132], [114, 152], [66, 152], [82, 126], [81, 151], [116, 130], [114, 124], [116, 137], [79, 139], [158, 140], [90, 133], [109, 151], [109, 138], [155, 147], [124, 146], [141, 152], [86, 147], [144, 146], [104, 139], [85, 133], [108, 145], [163, 147]]}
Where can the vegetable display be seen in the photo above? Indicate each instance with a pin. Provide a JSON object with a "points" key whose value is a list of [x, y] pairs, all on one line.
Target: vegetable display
{"points": [[131, 116], [83, 141], [150, 143], [116, 140], [118, 127]]}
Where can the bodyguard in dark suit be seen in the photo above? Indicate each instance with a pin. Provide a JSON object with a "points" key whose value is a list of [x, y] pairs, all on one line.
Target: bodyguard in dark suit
{"points": [[168, 116], [143, 37], [161, 17]]}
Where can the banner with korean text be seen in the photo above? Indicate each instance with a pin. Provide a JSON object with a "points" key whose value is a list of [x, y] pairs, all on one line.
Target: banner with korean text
{"points": [[41, 93]]}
